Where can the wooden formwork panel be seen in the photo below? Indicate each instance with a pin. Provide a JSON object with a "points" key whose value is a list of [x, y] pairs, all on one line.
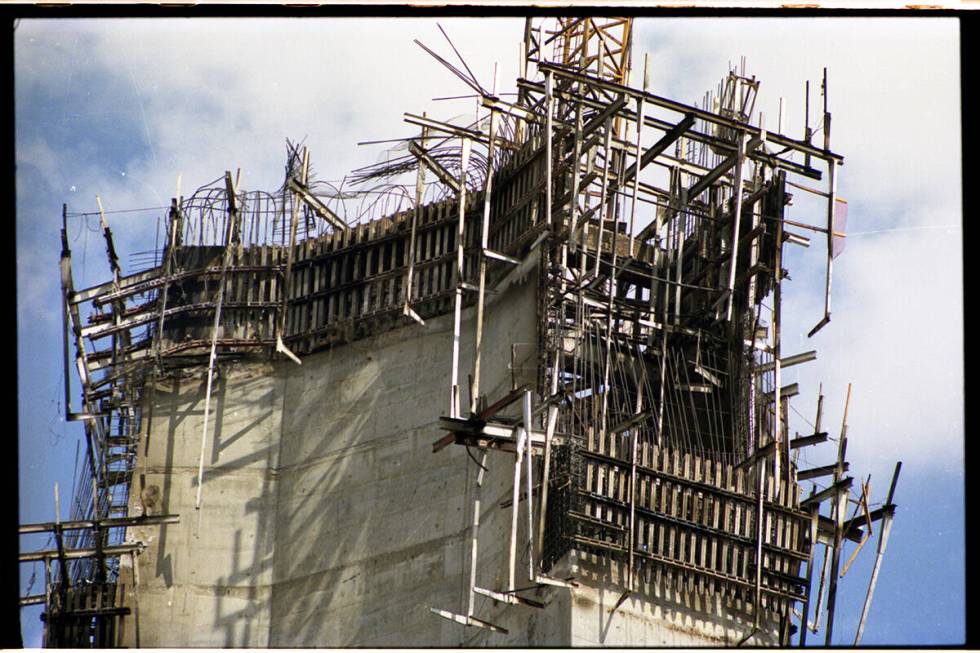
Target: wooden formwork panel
{"points": [[695, 519]]}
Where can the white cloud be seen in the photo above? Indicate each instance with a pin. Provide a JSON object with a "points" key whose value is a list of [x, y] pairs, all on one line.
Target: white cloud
{"points": [[893, 89], [226, 93]]}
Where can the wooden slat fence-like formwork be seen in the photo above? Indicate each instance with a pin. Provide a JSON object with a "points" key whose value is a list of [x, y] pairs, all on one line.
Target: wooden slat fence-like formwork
{"points": [[85, 616], [695, 521], [344, 284], [349, 285]]}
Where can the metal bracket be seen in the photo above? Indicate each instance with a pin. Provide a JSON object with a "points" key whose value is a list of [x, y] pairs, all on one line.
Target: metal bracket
{"points": [[468, 621]]}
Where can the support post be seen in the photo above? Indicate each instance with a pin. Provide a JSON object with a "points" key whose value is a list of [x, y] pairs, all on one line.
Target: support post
{"points": [[886, 525], [548, 144], [518, 459], [546, 471], [681, 235], [287, 282], [840, 508], [603, 199], [66, 292], [831, 202], [47, 599], [760, 470], [231, 237], [419, 198], [780, 438], [636, 176], [484, 243], [528, 428], [454, 407], [631, 568], [167, 268], [736, 219], [814, 529], [136, 597], [64, 576], [552, 418], [475, 536]]}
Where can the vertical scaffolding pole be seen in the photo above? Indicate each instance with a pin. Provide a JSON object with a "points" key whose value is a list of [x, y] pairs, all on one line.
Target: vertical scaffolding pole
{"points": [[64, 576], [814, 531], [604, 200], [840, 508], [681, 233], [409, 274], [576, 177], [475, 536], [638, 151], [72, 320], [826, 550], [66, 291], [230, 238], [167, 268], [820, 586], [886, 526], [736, 220], [631, 562], [119, 341], [293, 224], [552, 418], [759, 507], [776, 354], [552, 421], [48, 578], [136, 597], [831, 202], [484, 243], [529, 482], [515, 504], [454, 407]]}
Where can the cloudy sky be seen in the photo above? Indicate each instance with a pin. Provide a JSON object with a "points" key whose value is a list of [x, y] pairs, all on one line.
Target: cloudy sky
{"points": [[120, 108]]}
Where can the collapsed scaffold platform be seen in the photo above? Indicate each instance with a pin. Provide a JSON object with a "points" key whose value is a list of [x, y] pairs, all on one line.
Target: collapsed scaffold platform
{"points": [[657, 432]]}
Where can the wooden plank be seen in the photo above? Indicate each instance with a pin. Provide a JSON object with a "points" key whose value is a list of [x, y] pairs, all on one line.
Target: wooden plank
{"points": [[590, 470], [772, 533], [642, 480], [673, 543], [727, 520], [601, 472], [661, 528], [685, 499], [704, 517], [742, 527], [688, 535], [716, 509]]}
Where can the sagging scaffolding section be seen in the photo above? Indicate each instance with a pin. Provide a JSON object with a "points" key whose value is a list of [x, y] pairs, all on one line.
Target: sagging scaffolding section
{"points": [[656, 434]]}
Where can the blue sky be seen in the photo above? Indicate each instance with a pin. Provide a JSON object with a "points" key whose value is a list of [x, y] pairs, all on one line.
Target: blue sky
{"points": [[119, 108]]}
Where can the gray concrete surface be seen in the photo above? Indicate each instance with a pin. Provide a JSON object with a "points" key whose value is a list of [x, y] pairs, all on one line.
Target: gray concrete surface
{"points": [[327, 520]]}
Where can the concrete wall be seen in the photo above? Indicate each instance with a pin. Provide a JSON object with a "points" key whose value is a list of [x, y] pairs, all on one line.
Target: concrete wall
{"points": [[327, 520], [372, 527], [656, 615], [207, 581]]}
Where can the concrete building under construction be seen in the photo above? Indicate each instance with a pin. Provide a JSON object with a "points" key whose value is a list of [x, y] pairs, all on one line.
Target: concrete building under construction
{"points": [[539, 402]]}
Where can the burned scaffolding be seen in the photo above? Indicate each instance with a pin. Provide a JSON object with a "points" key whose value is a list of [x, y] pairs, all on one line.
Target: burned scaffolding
{"points": [[656, 435]]}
